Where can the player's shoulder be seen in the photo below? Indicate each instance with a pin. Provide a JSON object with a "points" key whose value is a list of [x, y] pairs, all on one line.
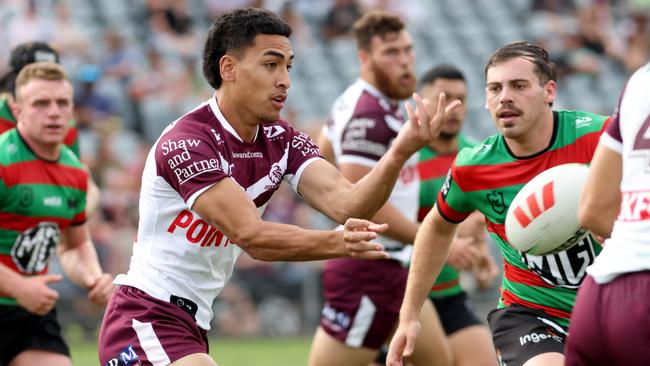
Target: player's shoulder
{"points": [[580, 121], [360, 100], [480, 153], [69, 158]]}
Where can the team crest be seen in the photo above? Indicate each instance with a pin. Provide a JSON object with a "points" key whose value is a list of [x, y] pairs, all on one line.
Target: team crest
{"points": [[275, 174], [496, 201]]}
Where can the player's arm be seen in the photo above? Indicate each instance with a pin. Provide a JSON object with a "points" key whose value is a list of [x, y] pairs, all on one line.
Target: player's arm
{"points": [[79, 261], [31, 293], [399, 227], [326, 149], [325, 189], [431, 247], [600, 199], [226, 206], [92, 197]]}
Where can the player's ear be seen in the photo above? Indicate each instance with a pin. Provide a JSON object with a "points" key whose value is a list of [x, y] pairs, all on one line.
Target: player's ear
{"points": [[550, 91], [363, 56], [227, 66]]}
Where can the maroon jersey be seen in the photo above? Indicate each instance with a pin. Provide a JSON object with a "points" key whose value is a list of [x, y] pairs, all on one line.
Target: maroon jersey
{"points": [[178, 254]]}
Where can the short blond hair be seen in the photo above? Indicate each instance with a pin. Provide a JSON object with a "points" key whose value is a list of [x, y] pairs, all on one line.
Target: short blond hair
{"points": [[45, 70]]}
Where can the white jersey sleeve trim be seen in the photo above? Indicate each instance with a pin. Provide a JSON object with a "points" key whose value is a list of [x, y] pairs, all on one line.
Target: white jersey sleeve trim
{"points": [[611, 143], [195, 195], [352, 159], [294, 179]]}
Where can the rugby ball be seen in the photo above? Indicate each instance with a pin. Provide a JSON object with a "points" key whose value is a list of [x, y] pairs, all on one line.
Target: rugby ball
{"points": [[543, 217]]}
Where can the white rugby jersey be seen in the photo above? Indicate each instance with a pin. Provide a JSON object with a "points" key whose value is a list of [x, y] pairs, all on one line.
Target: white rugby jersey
{"points": [[361, 128], [628, 249], [176, 253]]}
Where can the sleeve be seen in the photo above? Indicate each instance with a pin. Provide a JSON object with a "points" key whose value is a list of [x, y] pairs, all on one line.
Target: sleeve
{"points": [[302, 152], [190, 164], [367, 137], [79, 201], [452, 203], [611, 136]]}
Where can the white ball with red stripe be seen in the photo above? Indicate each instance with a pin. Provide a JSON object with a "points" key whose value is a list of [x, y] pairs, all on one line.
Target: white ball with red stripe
{"points": [[543, 217]]}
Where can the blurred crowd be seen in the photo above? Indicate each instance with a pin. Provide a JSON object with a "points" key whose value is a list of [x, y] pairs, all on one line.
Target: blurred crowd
{"points": [[137, 67]]}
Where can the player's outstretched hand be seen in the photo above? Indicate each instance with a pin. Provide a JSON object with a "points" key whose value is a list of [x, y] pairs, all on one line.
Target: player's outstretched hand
{"points": [[403, 342], [356, 236], [100, 288], [35, 296], [424, 123]]}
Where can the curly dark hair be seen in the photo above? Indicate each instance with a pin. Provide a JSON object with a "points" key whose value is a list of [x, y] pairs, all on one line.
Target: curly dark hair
{"points": [[544, 68], [375, 23], [233, 32]]}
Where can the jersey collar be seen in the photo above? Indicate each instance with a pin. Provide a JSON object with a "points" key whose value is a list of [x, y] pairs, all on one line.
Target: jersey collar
{"points": [[224, 122]]}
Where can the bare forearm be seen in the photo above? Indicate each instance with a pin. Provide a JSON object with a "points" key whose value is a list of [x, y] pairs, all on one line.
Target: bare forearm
{"points": [[80, 262], [271, 241], [368, 195], [9, 280], [399, 227], [429, 255], [600, 223]]}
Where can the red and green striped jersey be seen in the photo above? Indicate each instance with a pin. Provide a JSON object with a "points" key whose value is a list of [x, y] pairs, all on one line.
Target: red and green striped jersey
{"points": [[8, 122], [38, 200], [433, 168], [487, 178]]}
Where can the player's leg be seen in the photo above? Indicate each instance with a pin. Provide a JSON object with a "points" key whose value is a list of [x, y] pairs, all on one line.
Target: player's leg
{"points": [[37, 357], [140, 328], [477, 338], [361, 310], [597, 321], [465, 331], [31, 339], [524, 336], [329, 351], [584, 344], [431, 346], [197, 359]]}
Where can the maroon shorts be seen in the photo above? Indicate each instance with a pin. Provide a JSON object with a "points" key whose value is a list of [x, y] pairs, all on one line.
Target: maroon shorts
{"points": [[138, 327], [610, 323], [362, 300]]}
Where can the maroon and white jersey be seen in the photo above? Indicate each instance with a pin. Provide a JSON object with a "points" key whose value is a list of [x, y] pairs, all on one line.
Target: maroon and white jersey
{"points": [[361, 128], [177, 254], [628, 249]]}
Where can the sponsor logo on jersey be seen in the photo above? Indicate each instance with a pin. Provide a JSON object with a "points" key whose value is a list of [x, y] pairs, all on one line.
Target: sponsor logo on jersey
{"points": [[337, 320], [447, 185], [197, 230], [32, 249], [538, 337], [53, 201], [127, 357], [171, 146], [496, 201], [635, 206], [73, 203], [583, 121], [248, 155], [304, 144], [273, 131], [564, 269]]}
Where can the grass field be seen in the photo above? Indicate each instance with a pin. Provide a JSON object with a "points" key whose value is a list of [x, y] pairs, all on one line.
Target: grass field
{"points": [[228, 352]]}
